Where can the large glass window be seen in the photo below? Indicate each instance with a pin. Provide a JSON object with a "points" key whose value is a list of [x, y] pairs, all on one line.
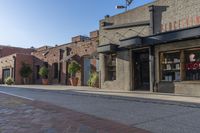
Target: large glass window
{"points": [[192, 64], [111, 66], [170, 66]]}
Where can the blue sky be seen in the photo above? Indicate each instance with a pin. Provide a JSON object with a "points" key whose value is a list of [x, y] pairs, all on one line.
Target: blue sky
{"points": [[26, 23]]}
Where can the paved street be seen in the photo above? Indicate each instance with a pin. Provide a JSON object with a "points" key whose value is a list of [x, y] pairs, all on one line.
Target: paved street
{"points": [[155, 116], [24, 116]]}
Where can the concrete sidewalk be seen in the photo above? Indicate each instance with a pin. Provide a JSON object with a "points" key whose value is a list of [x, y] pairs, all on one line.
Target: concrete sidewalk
{"points": [[110, 93]]}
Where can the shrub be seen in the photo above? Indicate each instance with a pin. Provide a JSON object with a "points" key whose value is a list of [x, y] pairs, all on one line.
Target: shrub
{"points": [[93, 79], [9, 81], [43, 72], [25, 70], [73, 68]]}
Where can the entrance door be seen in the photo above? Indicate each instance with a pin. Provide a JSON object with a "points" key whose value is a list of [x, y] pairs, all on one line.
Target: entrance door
{"points": [[6, 74], [141, 70], [86, 70]]}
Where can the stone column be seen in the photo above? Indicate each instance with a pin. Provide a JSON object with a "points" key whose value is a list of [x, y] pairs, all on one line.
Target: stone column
{"points": [[152, 68], [102, 69], [59, 78]]}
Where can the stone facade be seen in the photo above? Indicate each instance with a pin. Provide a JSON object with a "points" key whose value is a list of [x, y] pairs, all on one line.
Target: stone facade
{"points": [[13, 64], [11, 59], [161, 16], [79, 49], [8, 50]]}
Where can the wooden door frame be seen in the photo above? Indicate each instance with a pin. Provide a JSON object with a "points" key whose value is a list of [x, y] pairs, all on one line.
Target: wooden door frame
{"points": [[133, 86]]}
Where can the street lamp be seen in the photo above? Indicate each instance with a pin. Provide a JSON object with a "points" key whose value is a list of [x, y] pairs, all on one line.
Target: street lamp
{"points": [[127, 3]]}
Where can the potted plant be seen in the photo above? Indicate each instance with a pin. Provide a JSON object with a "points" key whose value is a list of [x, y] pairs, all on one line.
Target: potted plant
{"points": [[43, 72], [73, 68], [93, 79], [25, 72], [9, 81]]}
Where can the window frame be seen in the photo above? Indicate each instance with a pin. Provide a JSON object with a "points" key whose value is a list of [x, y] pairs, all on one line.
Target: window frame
{"points": [[111, 66]]}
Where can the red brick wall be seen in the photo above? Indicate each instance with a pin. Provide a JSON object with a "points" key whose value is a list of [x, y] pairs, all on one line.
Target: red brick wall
{"points": [[19, 59], [79, 49], [6, 50], [9, 62], [52, 56]]}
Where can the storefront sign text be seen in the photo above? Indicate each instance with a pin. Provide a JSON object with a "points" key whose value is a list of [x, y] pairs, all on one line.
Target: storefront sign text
{"points": [[193, 66], [182, 23]]}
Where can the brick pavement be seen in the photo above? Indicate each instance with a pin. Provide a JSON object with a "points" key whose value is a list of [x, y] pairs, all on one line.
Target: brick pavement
{"points": [[24, 116]]}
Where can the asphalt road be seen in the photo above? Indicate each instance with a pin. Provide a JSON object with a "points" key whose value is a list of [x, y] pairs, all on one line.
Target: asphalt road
{"points": [[157, 117]]}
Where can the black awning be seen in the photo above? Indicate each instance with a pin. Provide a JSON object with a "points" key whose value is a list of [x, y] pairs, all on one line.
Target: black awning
{"points": [[108, 48], [162, 38], [131, 42], [173, 36]]}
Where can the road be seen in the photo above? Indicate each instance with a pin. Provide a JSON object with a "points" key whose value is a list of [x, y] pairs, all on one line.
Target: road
{"points": [[157, 117]]}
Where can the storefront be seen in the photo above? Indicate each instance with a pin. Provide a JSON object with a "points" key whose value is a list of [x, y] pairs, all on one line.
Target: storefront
{"points": [[160, 63], [156, 51], [177, 64]]}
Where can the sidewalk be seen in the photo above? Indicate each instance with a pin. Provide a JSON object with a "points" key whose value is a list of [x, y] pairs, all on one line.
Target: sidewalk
{"points": [[116, 93], [24, 116]]}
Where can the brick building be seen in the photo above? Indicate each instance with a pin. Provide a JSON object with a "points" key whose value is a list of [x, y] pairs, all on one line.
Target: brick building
{"points": [[82, 49], [8, 50], [154, 48], [11, 61]]}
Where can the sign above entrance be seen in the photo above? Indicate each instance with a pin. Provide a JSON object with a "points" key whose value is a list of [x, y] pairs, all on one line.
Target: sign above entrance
{"points": [[181, 23]]}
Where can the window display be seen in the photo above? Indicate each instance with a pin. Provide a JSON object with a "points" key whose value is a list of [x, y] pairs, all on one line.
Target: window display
{"points": [[170, 66], [192, 65]]}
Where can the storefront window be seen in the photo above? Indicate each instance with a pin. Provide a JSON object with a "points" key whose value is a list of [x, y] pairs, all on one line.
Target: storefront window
{"points": [[192, 65], [170, 66], [111, 66]]}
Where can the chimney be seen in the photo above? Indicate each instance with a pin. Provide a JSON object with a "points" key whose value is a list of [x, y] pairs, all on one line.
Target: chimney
{"points": [[80, 38], [94, 34]]}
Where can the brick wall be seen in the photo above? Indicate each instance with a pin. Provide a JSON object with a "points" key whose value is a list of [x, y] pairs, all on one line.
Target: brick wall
{"points": [[6, 50], [28, 59], [9, 62], [78, 50]]}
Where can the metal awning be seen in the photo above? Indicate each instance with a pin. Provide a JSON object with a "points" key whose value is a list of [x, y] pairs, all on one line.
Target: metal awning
{"points": [[108, 48], [162, 38], [173, 36], [131, 42]]}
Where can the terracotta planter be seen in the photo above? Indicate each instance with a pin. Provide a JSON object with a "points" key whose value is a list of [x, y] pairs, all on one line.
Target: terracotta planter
{"points": [[45, 81], [74, 81]]}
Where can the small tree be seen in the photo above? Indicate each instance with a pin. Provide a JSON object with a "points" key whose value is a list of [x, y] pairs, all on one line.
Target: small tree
{"points": [[43, 72], [25, 71], [73, 68]]}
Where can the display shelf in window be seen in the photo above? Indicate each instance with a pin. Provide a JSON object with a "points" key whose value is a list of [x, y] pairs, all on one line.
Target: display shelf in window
{"points": [[170, 66], [192, 65]]}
